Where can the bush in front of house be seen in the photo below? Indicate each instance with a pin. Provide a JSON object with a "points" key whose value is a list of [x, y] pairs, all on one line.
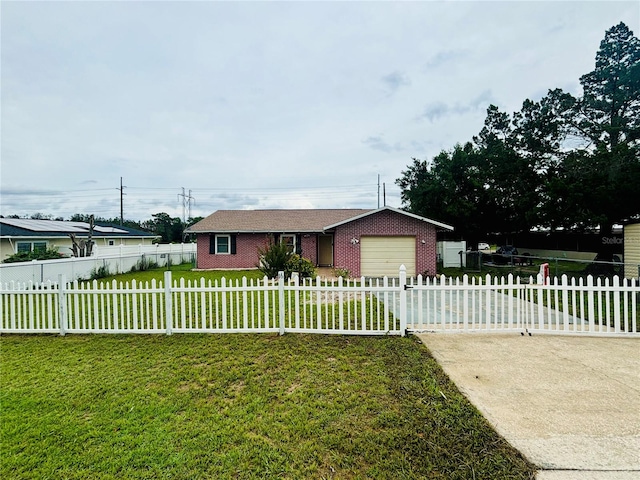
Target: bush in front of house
{"points": [[273, 258], [39, 254], [303, 266], [276, 257]]}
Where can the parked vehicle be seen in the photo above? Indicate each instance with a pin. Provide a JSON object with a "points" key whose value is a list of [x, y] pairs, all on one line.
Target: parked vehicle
{"points": [[504, 254], [605, 265]]}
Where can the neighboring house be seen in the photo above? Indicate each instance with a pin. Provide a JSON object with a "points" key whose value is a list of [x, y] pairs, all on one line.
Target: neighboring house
{"points": [[24, 235], [365, 242]]}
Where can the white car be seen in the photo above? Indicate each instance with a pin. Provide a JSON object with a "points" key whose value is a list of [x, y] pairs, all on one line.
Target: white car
{"points": [[483, 246]]}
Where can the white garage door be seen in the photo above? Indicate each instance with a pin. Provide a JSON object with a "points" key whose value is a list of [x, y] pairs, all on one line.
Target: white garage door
{"points": [[381, 256]]}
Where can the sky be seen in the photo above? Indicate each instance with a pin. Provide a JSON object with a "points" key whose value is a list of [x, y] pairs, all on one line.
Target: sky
{"points": [[202, 106]]}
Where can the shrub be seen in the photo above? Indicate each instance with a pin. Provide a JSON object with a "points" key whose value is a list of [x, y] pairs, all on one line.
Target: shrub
{"points": [[276, 257], [144, 264], [273, 258], [100, 272], [301, 265], [341, 272], [46, 254]]}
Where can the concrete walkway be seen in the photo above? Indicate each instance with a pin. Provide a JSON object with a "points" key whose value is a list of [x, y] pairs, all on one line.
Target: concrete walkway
{"points": [[570, 404]]}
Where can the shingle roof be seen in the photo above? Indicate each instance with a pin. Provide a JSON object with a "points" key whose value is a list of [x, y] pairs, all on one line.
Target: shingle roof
{"points": [[391, 209], [288, 221], [239, 221]]}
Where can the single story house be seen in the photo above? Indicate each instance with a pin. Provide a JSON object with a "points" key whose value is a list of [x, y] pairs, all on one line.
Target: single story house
{"points": [[365, 242], [24, 235]]}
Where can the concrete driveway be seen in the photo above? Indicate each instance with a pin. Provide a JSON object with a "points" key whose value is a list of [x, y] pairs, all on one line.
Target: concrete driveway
{"points": [[570, 404]]}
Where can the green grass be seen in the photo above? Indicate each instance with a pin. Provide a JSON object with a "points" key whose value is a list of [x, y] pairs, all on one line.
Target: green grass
{"points": [[559, 268], [183, 271], [238, 406]]}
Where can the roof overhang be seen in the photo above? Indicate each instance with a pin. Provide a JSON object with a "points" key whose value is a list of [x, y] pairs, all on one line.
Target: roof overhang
{"points": [[391, 209], [266, 232]]}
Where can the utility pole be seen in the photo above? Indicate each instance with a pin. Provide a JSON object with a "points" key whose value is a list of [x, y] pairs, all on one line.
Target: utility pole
{"points": [[189, 199], [378, 190], [121, 201], [186, 204], [183, 203]]}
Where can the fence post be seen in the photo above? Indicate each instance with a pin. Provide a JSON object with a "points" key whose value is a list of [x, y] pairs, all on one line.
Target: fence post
{"points": [[168, 303], [403, 300], [62, 304], [34, 266], [281, 300], [616, 305]]}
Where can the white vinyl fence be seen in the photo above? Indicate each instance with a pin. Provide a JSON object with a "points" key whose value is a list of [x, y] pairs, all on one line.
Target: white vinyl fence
{"points": [[114, 260], [541, 305], [367, 306], [314, 306]]}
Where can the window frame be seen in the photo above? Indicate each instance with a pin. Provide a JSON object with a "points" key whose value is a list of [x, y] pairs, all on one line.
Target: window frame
{"points": [[217, 251], [42, 246], [293, 243]]}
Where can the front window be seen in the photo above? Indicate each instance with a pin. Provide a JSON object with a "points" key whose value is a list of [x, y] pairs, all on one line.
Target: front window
{"points": [[222, 244], [26, 247], [289, 241]]}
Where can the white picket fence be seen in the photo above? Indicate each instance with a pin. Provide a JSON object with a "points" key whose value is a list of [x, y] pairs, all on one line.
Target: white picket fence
{"points": [[388, 306], [115, 259], [315, 306], [541, 305]]}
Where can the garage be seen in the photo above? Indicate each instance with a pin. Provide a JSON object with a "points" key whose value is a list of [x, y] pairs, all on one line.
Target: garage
{"points": [[382, 256]]}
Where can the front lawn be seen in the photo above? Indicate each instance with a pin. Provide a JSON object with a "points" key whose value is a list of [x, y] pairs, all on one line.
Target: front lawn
{"points": [[238, 406], [183, 271]]}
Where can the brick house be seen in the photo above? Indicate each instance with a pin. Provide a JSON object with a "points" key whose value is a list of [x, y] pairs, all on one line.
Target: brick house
{"points": [[365, 242]]}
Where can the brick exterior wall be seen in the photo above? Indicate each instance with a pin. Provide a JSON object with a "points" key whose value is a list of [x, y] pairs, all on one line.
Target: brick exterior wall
{"points": [[310, 247], [247, 251], [385, 223], [246, 256], [345, 255]]}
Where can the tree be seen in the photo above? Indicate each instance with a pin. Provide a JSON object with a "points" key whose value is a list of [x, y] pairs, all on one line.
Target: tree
{"points": [[608, 114], [449, 188], [168, 228], [83, 248], [602, 174], [81, 217], [511, 179], [41, 216], [483, 187], [538, 130], [559, 162]]}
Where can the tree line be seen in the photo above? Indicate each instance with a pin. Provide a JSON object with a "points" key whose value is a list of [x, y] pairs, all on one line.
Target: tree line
{"points": [[563, 162]]}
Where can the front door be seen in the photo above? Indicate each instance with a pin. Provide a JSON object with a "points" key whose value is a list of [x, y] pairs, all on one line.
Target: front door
{"points": [[325, 250]]}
